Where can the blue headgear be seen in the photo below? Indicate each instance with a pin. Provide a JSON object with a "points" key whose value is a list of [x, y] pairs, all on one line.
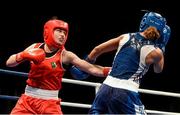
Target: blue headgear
{"points": [[152, 19], [167, 34], [163, 40]]}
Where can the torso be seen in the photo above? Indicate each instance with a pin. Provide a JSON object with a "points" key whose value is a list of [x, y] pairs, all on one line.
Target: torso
{"points": [[47, 75], [129, 62]]}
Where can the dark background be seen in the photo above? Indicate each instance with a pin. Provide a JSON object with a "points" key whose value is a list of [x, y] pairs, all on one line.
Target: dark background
{"points": [[91, 23]]}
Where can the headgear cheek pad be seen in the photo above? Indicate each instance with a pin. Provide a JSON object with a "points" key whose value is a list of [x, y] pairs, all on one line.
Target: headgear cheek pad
{"points": [[163, 40], [49, 30], [167, 34], [152, 19]]}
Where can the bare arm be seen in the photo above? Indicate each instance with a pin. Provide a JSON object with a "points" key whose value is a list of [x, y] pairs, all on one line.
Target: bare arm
{"points": [[107, 46], [159, 61], [96, 70], [12, 61]]}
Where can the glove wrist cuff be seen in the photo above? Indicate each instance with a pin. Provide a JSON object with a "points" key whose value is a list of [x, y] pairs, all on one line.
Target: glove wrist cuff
{"points": [[106, 71]]}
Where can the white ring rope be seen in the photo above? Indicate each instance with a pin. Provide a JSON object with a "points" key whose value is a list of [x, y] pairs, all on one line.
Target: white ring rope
{"points": [[159, 93], [97, 85], [70, 104]]}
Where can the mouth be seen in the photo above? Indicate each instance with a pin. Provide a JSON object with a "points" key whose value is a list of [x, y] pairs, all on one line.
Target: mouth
{"points": [[61, 40]]}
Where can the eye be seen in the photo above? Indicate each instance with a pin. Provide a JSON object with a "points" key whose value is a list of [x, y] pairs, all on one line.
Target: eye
{"points": [[63, 31]]}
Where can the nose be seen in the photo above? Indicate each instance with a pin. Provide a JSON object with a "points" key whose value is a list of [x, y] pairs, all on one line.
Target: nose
{"points": [[63, 35]]}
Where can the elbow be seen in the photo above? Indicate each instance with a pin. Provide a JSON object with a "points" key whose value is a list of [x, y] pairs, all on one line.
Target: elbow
{"points": [[158, 69], [96, 49], [9, 64], [94, 53]]}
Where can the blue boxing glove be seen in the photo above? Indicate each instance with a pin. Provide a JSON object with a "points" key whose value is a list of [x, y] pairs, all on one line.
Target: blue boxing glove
{"points": [[78, 74], [162, 41]]}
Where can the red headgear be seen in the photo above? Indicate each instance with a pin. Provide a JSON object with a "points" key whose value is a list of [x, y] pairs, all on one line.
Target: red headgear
{"points": [[49, 29]]}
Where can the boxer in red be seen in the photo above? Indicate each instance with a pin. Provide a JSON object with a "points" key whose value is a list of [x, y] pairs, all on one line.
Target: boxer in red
{"points": [[48, 61]]}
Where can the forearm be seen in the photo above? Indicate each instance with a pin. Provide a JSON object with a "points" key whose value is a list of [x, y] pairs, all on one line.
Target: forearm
{"points": [[101, 49], [158, 67], [108, 46], [100, 71], [92, 69], [35, 55]]}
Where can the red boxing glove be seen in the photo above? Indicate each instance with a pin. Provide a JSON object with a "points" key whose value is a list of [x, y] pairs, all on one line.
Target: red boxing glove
{"points": [[36, 55], [106, 71]]}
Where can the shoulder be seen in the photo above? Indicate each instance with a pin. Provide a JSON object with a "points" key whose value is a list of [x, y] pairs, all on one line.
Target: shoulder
{"points": [[124, 35], [124, 38], [68, 53], [157, 52], [152, 50], [155, 55], [68, 56]]}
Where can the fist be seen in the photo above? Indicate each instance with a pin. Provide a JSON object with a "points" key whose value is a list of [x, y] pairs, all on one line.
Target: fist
{"points": [[36, 55]]}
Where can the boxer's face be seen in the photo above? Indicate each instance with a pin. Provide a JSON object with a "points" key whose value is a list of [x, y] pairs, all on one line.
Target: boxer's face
{"points": [[59, 36]]}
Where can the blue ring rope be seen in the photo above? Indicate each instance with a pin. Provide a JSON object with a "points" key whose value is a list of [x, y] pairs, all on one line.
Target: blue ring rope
{"points": [[21, 74], [7, 97]]}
